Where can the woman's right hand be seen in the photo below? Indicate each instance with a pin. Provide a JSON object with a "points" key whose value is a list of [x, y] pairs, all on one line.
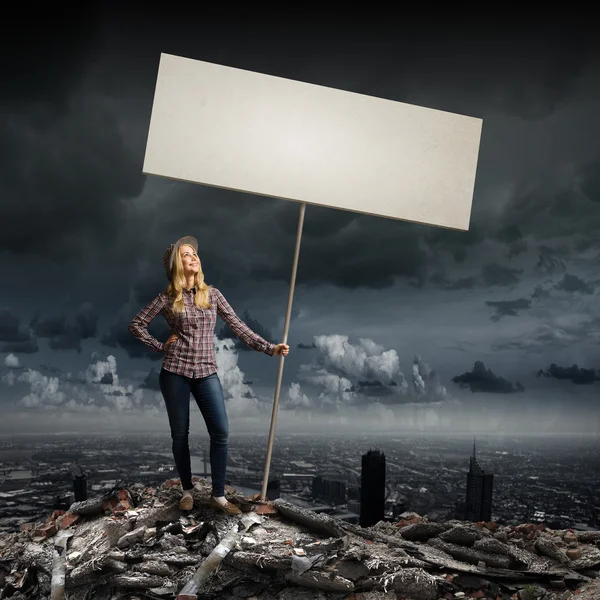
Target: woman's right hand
{"points": [[171, 339]]}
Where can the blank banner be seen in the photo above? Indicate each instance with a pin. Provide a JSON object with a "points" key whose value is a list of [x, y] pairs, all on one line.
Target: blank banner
{"points": [[240, 130]]}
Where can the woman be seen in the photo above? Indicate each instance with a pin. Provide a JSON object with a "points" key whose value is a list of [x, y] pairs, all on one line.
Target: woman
{"points": [[190, 307]]}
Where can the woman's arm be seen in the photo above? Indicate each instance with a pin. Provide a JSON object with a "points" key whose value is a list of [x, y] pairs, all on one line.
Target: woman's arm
{"points": [[240, 328], [139, 324]]}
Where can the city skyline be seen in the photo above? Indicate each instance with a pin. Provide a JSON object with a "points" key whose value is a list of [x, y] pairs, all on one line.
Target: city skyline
{"points": [[395, 326]]}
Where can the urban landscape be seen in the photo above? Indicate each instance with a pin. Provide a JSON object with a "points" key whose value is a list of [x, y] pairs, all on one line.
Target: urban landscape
{"points": [[552, 480]]}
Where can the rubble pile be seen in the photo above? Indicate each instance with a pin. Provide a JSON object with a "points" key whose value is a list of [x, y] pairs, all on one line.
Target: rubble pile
{"points": [[136, 543]]}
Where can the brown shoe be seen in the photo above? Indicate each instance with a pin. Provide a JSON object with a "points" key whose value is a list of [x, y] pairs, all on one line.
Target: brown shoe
{"points": [[228, 509], [186, 502]]}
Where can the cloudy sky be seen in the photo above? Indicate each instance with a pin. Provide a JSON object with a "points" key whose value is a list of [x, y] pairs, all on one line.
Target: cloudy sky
{"points": [[412, 326]]}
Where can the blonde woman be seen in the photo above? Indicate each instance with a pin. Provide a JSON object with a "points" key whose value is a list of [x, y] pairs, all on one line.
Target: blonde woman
{"points": [[190, 307]]}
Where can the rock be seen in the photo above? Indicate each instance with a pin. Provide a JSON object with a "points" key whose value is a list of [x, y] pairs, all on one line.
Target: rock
{"points": [[569, 537], [501, 536], [422, 531], [132, 538], [319, 580], [573, 553], [551, 550], [471, 555], [464, 536]]}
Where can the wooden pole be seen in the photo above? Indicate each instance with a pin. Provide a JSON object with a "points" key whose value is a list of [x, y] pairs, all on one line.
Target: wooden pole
{"points": [[263, 494]]}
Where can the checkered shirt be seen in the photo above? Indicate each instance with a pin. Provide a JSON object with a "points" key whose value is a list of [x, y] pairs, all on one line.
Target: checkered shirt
{"points": [[193, 354]]}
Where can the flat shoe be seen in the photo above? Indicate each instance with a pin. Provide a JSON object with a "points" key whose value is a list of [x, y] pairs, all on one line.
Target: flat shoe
{"points": [[228, 508], [186, 502]]}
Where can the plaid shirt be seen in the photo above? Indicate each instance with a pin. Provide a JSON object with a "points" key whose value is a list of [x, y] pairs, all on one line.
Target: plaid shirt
{"points": [[193, 354]]}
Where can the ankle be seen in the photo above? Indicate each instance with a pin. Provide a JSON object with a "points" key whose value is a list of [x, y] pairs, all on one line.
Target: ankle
{"points": [[220, 499]]}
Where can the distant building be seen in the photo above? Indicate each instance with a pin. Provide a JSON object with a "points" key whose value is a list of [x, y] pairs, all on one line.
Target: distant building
{"points": [[274, 489], [329, 488], [372, 488], [80, 487], [478, 505]]}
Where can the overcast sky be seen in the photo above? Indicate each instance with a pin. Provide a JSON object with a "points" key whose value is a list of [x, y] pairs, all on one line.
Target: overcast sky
{"points": [[83, 232]]}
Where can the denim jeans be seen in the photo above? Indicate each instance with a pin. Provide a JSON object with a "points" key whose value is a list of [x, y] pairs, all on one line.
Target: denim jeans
{"points": [[208, 394]]}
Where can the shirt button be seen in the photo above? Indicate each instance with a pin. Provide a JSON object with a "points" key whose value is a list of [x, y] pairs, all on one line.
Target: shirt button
{"points": [[195, 325]]}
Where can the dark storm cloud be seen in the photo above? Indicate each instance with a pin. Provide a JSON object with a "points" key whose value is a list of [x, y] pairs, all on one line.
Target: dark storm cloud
{"points": [[72, 174], [107, 379], [550, 261], [539, 293], [14, 336], [64, 158], [151, 381], [572, 283], [118, 336], [508, 308], [574, 373], [464, 283], [79, 165], [374, 388], [226, 333], [334, 250], [481, 379], [45, 57], [554, 205], [457, 243], [497, 275], [589, 181], [66, 333], [302, 346], [557, 58]]}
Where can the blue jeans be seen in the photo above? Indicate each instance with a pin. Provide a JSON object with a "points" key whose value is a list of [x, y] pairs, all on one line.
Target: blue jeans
{"points": [[208, 394]]}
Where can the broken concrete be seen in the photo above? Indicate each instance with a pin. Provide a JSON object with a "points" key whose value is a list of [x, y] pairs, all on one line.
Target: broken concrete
{"points": [[137, 543]]}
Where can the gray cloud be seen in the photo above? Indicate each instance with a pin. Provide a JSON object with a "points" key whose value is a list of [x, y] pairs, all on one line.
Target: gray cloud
{"points": [[151, 380], [550, 261], [572, 283], [497, 275], [118, 336], [589, 181], [78, 185], [15, 337], [333, 250], [481, 379], [554, 205], [65, 334], [506, 308], [347, 374], [574, 373], [226, 333]]}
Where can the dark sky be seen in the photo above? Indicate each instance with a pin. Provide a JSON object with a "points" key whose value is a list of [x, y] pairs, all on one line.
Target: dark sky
{"points": [[83, 230]]}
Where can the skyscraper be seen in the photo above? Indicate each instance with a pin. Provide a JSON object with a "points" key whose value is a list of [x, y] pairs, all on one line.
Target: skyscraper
{"points": [[372, 488], [478, 506], [79, 484]]}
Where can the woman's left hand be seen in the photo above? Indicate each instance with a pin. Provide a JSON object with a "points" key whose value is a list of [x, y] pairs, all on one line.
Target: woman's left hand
{"points": [[281, 349]]}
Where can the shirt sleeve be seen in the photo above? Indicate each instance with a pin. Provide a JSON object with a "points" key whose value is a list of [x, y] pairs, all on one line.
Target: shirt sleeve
{"points": [[240, 328], [139, 324]]}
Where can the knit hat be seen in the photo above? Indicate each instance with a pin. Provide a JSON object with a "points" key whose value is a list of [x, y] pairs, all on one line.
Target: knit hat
{"points": [[169, 255]]}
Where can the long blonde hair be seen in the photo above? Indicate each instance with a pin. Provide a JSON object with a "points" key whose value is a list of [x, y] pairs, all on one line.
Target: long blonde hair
{"points": [[179, 282]]}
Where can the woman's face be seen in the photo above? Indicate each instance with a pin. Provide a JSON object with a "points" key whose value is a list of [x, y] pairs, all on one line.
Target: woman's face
{"points": [[189, 259]]}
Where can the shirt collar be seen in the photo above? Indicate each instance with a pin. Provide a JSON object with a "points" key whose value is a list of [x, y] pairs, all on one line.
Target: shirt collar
{"points": [[190, 290]]}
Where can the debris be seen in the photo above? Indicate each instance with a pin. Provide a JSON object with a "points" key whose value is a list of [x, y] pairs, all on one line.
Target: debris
{"points": [[57, 591], [132, 538], [315, 521], [551, 550], [136, 543], [321, 581], [191, 588], [421, 532]]}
